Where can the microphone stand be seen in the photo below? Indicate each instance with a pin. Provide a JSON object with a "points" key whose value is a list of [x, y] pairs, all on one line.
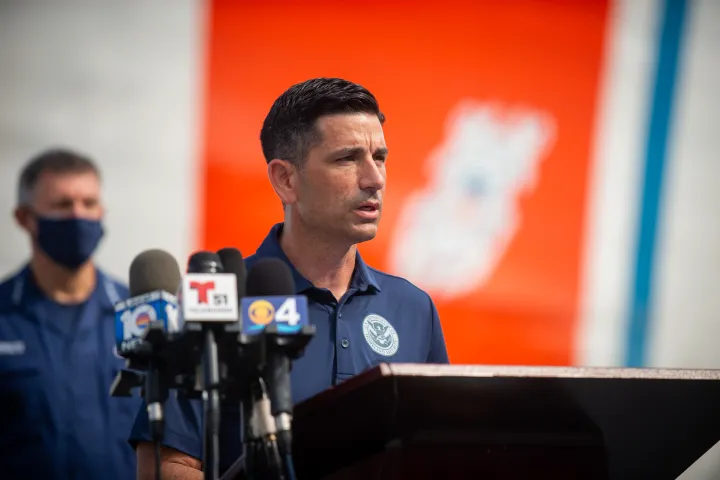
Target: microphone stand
{"points": [[211, 406], [154, 405], [146, 367], [156, 389], [266, 403]]}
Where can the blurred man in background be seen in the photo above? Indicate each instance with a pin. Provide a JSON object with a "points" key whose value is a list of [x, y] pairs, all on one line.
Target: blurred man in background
{"points": [[57, 334], [325, 148]]}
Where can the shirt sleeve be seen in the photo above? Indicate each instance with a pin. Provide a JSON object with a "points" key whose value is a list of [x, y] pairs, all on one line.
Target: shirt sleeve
{"points": [[438, 351], [182, 426]]}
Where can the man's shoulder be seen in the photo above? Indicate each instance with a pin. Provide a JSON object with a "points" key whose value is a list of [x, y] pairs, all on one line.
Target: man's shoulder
{"points": [[8, 288], [122, 288], [11, 288], [111, 290], [8, 280], [250, 261], [398, 286]]}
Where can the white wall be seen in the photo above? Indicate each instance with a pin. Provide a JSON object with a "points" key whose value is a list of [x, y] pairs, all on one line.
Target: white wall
{"points": [[119, 80]]}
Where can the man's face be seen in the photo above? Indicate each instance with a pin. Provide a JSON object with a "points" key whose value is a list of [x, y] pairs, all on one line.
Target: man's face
{"points": [[340, 187], [64, 195]]}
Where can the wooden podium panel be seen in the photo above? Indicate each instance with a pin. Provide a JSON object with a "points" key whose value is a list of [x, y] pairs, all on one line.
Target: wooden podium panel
{"points": [[405, 420]]}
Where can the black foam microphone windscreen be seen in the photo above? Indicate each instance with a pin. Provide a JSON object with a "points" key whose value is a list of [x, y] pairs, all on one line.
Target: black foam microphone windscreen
{"points": [[204, 262], [153, 270], [232, 262], [270, 276]]}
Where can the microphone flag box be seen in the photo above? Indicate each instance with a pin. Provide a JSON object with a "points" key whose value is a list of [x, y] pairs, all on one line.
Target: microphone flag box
{"points": [[288, 313], [133, 315], [209, 297]]}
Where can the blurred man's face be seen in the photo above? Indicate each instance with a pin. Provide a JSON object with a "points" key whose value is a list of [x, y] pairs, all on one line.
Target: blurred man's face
{"points": [[65, 195], [340, 187]]}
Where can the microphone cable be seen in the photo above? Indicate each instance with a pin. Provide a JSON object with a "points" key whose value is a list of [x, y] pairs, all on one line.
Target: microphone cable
{"points": [[289, 467], [273, 460]]}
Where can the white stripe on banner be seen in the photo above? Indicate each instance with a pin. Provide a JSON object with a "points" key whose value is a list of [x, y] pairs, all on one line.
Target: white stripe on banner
{"points": [[614, 180], [686, 325]]}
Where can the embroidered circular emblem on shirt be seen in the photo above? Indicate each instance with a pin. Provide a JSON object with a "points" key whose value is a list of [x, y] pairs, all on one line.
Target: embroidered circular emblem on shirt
{"points": [[380, 335]]}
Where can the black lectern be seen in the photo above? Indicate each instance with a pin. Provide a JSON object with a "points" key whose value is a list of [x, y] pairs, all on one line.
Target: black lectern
{"points": [[449, 422]]}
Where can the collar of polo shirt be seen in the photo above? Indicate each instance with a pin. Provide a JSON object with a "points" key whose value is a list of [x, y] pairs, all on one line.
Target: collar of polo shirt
{"points": [[362, 279]]}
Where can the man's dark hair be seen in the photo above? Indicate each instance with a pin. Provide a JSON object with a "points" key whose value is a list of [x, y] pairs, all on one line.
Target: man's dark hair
{"points": [[56, 160], [288, 131]]}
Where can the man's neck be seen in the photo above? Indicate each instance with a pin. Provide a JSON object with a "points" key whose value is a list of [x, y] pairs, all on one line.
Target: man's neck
{"points": [[60, 284], [325, 264]]}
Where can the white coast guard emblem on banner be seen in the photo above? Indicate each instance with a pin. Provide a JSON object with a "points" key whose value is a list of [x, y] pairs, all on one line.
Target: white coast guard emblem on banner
{"points": [[380, 335]]}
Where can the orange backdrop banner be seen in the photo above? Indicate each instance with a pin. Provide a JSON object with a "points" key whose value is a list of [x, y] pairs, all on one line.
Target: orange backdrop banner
{"points": [[491, 109]]}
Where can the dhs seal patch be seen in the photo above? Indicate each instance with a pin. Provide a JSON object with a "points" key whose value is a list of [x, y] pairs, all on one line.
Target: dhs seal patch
{"points": [[380, 335]]}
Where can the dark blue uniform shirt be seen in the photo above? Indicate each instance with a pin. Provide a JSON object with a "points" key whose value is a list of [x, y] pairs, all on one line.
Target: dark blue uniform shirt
{"points": [[381, 318], [57, 419]]}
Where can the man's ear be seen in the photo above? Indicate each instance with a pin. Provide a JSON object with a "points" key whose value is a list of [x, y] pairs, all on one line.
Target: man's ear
{"points": [[283, 178], [22, 218]]}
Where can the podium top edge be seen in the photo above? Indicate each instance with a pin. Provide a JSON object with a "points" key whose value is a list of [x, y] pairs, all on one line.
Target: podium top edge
{"points": [[489, 371]]}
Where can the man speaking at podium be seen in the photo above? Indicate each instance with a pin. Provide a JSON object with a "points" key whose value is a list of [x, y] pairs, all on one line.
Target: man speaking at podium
{"points": [[326, 157]]}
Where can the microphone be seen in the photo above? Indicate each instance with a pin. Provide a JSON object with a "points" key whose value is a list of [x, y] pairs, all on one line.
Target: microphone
{"points": [[279, 319], [141, 323], [209, 299], [235, 374], [237, 371], [232, 261], [207, 294], [271, 303], [154, 277], [204, 262]]}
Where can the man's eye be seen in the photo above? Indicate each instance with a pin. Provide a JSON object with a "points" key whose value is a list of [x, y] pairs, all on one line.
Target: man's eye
{"points": [[349, 158], [63, 204]]}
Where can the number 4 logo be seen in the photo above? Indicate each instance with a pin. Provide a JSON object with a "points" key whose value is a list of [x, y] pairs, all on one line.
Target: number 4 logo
{"points": [[287, 312]]}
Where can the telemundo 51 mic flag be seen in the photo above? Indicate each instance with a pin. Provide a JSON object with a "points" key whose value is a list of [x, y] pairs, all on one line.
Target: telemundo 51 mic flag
{"points": [[209, 297]]}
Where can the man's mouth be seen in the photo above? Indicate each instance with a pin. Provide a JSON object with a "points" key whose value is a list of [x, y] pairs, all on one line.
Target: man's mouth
{"points": [[369, 206]]}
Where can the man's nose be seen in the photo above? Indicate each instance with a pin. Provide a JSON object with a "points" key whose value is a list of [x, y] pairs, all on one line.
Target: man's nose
{"points": [[79, 210], [373, 175]]}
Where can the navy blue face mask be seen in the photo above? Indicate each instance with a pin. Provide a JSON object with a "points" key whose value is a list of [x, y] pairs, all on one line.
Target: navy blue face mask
{"points": [[69, 241]]}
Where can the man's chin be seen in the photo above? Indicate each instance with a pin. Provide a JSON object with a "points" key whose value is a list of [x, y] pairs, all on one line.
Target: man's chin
{"points": [[364, 232]]}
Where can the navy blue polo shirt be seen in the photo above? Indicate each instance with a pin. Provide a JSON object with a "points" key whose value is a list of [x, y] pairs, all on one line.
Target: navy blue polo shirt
{"points": [[57, 362], [381, 319]]}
